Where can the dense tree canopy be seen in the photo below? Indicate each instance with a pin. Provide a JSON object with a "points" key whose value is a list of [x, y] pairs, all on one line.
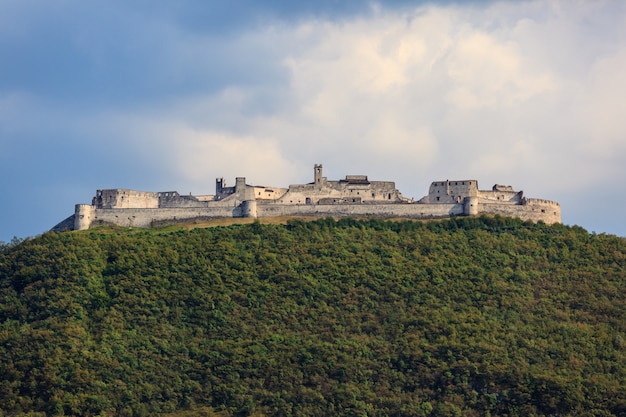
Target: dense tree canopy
{"points": [[466, 317]]}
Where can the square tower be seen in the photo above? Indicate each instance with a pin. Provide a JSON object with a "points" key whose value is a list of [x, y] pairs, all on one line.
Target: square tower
{"points": [[318, 179]]}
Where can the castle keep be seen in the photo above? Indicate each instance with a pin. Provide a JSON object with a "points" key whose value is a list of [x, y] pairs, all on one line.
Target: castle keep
{"points": [[354, 196]]}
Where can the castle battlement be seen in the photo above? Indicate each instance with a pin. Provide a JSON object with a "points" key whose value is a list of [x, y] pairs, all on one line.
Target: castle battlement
{"points": [[539, 201], [353, 196]]}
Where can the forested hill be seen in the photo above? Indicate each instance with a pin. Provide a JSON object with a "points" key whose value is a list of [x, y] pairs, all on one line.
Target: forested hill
{"points": [[463, 317]]}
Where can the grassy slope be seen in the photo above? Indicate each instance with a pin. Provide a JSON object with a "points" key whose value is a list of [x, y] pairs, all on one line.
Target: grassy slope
{"points": [[459, 317]]}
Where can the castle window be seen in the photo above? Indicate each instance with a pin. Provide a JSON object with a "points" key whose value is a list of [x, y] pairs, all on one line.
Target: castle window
{"points": [[437, 198]]}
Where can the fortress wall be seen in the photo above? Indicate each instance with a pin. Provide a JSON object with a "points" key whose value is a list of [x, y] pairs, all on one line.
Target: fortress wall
{"points": [[225, 192], [534, 210], [183, 203], [208, 197], [375, 190], [299, 196], [122, 198], [495, 196], [361, 210], [162, 216], [308, 194], [452, 191], [301, 188], [138, 199], [541, 202], [382, 191], [548, 212], [268, 193], [67, 224], [180, 201]]}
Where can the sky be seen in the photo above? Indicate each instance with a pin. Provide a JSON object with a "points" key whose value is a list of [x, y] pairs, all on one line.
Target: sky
{"points": [[163, 96]]}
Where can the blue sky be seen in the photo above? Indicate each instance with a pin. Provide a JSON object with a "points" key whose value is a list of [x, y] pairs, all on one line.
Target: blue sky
{"points": [[160, 96]]}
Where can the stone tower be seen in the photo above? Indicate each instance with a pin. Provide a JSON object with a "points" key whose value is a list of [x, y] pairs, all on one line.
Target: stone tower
{"points": [[318, 179]]}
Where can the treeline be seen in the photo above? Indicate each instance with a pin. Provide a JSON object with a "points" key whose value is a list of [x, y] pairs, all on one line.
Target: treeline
{"points": [[463, 317]]}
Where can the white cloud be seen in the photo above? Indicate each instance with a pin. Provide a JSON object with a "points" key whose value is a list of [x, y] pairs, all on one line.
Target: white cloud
{"points": [[204, 153], [602, 108]]}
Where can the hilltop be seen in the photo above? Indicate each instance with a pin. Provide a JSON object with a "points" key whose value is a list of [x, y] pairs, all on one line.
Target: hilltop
{"points": [[469, 316]]}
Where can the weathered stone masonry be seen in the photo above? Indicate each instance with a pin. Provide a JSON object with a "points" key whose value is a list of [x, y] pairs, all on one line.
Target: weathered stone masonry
{"points": [[353, 196]]}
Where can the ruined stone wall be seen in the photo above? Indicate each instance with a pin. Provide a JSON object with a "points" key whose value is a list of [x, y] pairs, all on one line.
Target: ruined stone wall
{"points": [[500, 196], [171, 199], [341, 200], [208, 197], [221, 190], [269, 193], [65, 225], [159, 217], [533, 210], [416, 211], [123, 198], [376, 191], [451, 191]]}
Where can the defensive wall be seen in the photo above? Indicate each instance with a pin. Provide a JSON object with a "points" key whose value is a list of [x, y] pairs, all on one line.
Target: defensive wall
{"points": [[354, 196], [533, 209]]}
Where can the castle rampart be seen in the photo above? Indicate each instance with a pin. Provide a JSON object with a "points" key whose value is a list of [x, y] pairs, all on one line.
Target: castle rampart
{"points": [[353, 196]]}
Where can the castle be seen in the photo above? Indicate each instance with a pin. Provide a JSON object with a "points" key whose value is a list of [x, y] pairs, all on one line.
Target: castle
{"points": [[354, 196]]}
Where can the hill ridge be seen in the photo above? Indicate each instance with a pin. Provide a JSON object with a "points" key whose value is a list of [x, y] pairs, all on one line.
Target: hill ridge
{"points": [[468, 316]]}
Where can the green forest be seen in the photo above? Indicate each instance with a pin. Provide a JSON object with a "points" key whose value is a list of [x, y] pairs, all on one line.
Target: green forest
{"points": [[471, 316]]}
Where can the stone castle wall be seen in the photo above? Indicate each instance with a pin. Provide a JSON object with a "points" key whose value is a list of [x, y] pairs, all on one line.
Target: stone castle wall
{"points": [[532, 209], [123, 198], [451, 191], [415, 211], [161, 216]]}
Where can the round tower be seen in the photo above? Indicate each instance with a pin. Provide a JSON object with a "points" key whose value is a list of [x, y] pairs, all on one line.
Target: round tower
{"points": [[470, 206], [84, 215], [249, 209]]}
